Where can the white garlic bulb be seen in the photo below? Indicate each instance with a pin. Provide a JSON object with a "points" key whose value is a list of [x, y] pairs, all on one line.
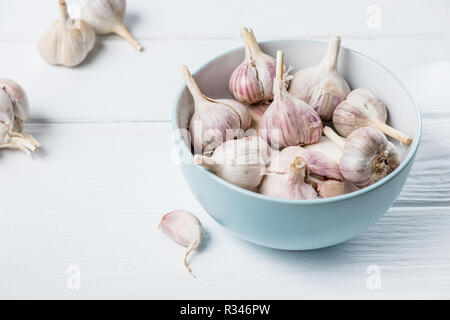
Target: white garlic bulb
{"points": [[184, 228], [362, 109], [107, 16], [9, 138], [19, 102], [321, 86], [67, 41], [213, 121], [291, 185], [241, 162], [289, 121], [367, 155], [252, 81]]}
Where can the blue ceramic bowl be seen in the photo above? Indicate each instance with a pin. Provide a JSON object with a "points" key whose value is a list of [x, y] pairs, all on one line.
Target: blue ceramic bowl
{"points": [[299, 224]]}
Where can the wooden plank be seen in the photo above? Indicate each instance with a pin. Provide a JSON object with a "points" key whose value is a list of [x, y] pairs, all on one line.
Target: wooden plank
{"points": [[284, 18]]}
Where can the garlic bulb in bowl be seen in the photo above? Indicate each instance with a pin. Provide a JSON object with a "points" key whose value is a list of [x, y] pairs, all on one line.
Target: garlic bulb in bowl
{"points": [[321, 86], [252, 81]]}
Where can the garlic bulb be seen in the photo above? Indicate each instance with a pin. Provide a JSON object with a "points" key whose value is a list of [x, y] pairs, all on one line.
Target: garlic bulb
{"points": [[241, 162], [67, 41], [317, 162], [213, 121], [331, 188], [185, 229], [19, 102], [107, 16], [362, 109], [291, 185], [321, 86], [367, 155], [289, 121], [252, 80], [9, 138]]}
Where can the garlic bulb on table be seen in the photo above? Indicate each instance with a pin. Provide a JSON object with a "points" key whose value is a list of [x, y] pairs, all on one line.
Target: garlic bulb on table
{"points": [[213, 121], [67, 41], [19, 102], [289, 121], [290, 185], [367, 155], [362, 109], [241, 162], [107, 16], [185, 229], [321, 86], [252, 81]]}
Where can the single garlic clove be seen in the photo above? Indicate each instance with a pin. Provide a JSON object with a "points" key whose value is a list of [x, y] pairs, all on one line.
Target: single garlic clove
{"points": [[213, 121], [184, 228], [326, 146], [67, 41], [252, 81], [367, 155], [107, 16], [362, 109], [290, 185], [241, 162], [19, 102], [332, 188], [321, 86], [289, 121]]}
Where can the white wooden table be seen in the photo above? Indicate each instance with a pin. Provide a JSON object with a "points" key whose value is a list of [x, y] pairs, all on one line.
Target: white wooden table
{"points": [[90, 200]]}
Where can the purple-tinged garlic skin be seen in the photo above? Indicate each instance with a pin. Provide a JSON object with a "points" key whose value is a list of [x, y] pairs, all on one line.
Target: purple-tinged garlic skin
{"points": [[289, 121], [252, 81], [290, 185], [321, 86], [241, 162], [317, 162], [19, 102], [367, 157], [327, 147], [213, 121], [185, 229]]}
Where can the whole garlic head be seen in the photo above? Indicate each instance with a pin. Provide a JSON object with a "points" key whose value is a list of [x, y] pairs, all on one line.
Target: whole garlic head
{"points": [[241, 162], [367, 155], [252, 81], [67, 41], [19, 102], [321, 86], [362, 109], [107, 16], [289, 121], [291, 185]]}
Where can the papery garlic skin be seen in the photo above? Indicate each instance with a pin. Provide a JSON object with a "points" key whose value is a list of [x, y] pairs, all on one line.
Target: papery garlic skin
{"points": [[241, 162], [333, 188], [107, 16], [321, 86], [185, 229], [362, 109], [290, 185], [19, 100], [252, 81], [213, 121], [289, 121], [67, 41], [327, 147]]}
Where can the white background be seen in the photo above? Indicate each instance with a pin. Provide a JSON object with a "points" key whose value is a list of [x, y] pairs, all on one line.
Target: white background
{"points": [[94, 194]]}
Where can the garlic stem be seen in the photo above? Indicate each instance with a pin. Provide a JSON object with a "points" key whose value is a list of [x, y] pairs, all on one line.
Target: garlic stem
{"points": [[250, 41], [279, 72], [331, 57], [298, 166], [394, 133], [63, 10], [121, 30], [192, 85], [204, 161], [334, 137]]}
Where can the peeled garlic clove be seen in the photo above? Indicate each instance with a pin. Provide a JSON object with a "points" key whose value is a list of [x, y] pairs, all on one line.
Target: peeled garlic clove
{"points": [[317, 162], [327, 147], [289, 121], [241, 162], [252, 81], [321, 86], [19, 102], [290, 185], [213, 121], [107, 16], [367, 155], [184, 228], [362, 109], [67, 41]]}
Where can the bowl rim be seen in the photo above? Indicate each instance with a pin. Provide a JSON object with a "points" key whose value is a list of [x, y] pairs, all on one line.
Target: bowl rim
{"points": [[414, 146]]}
